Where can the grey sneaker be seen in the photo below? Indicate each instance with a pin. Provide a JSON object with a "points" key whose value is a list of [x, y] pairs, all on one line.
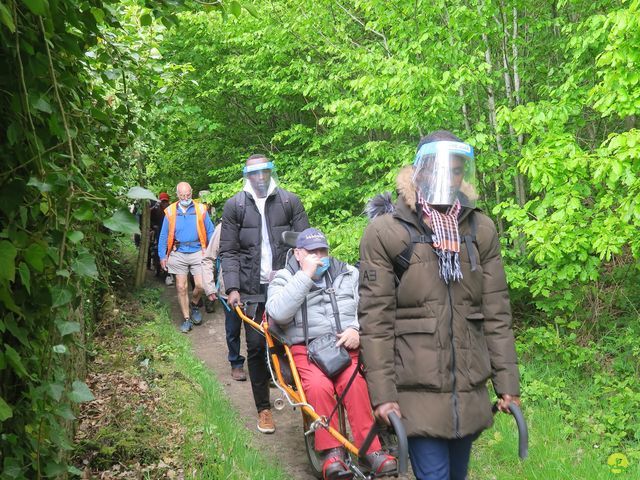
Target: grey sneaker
{"points": [[196, 314], [334, 466], [186, 326], [380, 463]]}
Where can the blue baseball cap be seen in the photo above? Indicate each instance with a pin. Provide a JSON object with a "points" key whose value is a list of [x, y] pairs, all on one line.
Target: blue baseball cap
{"points": [[311, 238]]}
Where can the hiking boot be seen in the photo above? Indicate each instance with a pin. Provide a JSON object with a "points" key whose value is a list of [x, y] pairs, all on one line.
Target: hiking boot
{"points": [[210, 305], [237, 373], [334, 467], [265, 421], [196, 314], [380, 463], [186, 326], [168, 281]]}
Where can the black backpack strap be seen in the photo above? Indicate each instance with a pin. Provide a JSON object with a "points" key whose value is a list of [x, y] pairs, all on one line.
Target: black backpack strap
{"points": [[241, 200], [286, 205], [469, 240], [403, 259], [334, 303]]}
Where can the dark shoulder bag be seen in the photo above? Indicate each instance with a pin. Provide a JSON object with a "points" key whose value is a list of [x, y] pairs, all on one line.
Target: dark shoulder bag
{"points": [[322, 350]]}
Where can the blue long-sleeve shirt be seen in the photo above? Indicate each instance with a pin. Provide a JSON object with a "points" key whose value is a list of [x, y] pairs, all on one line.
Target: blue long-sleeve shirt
{"points": [[186, 232]]}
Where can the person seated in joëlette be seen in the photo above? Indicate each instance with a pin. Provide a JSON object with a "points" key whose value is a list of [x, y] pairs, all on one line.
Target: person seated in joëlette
{"points": [[301, 292]]}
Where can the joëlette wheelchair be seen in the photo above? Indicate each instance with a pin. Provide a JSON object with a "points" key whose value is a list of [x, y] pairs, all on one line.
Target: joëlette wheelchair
{"points": [[285, 375]]}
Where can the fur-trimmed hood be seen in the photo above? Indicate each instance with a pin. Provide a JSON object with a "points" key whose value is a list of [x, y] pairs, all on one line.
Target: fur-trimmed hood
{"points": [[383, 202]]}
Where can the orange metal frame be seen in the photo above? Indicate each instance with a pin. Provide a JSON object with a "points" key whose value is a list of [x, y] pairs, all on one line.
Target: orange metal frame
{"points": [[296, 394]]}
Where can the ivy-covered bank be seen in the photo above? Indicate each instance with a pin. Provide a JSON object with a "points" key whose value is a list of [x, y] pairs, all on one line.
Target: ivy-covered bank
{"points": [[73, 97]]}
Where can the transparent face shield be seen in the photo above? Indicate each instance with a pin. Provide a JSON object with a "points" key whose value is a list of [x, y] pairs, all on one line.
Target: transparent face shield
{"points": [[260, 177], [445, 171]]}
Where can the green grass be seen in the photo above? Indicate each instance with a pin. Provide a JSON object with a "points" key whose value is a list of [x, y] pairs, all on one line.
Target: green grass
{"points": [[581, 403], [554, 453], [217, 443]]}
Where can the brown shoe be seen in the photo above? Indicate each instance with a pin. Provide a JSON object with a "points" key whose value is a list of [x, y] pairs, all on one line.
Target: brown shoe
{"points": [[265, 421], [238, 374]]}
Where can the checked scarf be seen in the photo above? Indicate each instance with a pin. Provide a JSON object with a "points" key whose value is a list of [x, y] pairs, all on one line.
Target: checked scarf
{"points": [[446, 238]]}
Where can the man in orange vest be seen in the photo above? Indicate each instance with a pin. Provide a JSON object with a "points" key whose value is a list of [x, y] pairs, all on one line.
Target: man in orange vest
{"points": [[186, 230]]}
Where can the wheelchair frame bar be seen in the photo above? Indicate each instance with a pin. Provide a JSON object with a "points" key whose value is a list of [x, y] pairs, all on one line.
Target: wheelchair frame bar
{"points": [[297, 396]]}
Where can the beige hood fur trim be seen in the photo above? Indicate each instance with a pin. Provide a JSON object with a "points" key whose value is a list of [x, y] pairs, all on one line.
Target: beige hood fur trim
{"points": [[405, 187]]}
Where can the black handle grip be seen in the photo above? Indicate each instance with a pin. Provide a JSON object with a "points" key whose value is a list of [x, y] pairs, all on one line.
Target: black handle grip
{"points": [[403, 444], [523, 431]]}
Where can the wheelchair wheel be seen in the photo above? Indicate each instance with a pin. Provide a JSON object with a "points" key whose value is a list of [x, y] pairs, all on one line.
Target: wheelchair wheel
{"points": [[315, 459]]}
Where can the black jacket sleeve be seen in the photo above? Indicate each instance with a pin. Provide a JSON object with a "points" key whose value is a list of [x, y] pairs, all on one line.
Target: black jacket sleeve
{"points": [[300, 219], [230, 244]]}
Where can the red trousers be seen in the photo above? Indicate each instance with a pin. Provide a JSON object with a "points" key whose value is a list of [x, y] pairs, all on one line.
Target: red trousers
{"points": [[320, 391]]}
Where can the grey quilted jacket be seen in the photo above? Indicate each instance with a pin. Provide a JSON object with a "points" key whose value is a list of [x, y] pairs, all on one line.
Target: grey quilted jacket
{"points": [[290, 287]]}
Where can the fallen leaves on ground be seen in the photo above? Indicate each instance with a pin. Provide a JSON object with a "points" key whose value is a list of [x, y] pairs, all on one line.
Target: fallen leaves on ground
{"points": [[123, 433]]}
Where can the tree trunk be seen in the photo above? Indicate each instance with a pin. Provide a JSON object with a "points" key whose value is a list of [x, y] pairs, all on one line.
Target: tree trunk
{"points": [[521, 193], [141, 264], [491, 103]]}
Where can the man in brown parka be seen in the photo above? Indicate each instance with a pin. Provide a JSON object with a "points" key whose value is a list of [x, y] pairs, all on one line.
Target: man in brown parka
{"points": [[435, 329]]}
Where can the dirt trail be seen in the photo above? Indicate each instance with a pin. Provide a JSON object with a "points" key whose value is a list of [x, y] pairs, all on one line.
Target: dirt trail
{"points": [[286, 444]]}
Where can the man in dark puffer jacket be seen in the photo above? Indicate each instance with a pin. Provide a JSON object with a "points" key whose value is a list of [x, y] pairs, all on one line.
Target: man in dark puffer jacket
{"points": [[433, 334], [251, 248]]}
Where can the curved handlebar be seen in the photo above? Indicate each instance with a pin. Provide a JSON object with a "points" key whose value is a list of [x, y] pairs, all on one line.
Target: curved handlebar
{"points": [[523, 431], [403, 444]]}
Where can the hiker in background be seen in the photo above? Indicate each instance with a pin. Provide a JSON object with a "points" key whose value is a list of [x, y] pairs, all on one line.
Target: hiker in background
{"points": [[156, 218], [213, 284], [186, 229]]}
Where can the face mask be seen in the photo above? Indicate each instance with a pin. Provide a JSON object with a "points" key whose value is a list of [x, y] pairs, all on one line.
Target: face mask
{"points": [[185, 203], [322, 268]]}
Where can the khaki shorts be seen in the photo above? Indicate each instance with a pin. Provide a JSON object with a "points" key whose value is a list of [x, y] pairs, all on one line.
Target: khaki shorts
{"points": [[182, 263]]}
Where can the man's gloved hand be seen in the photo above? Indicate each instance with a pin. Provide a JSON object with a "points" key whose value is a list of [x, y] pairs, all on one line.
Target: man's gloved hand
{"points": [[234, 299]]}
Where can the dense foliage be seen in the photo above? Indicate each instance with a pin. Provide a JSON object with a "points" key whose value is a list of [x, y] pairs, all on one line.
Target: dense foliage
{"points": [[71, 104], [339, 93], [99, 95]]}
